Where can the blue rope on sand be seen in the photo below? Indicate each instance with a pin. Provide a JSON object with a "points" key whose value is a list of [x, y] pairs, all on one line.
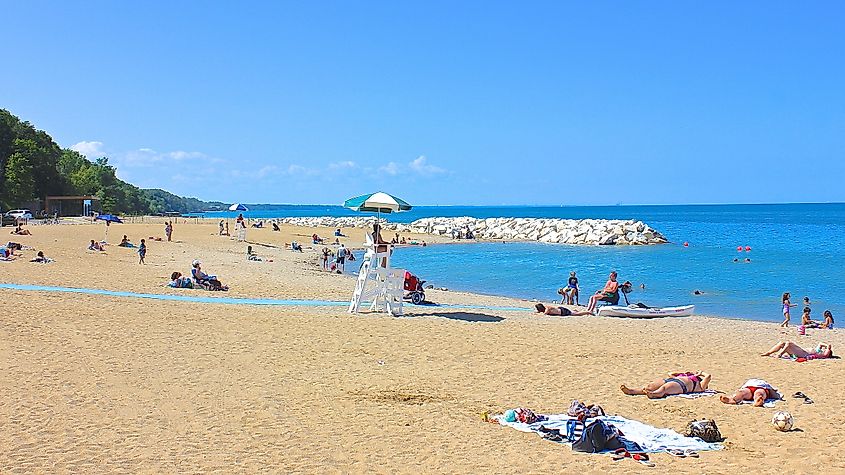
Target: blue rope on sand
{"points": [[224, 300]]}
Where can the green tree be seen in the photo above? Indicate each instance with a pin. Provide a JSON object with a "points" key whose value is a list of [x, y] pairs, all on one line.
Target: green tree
{"points": [[19, 180]]}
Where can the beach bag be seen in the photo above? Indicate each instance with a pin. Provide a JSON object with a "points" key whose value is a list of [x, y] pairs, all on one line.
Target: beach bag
{"points": [[598, 437], [705, 430], [526, 416], [581, 411]]}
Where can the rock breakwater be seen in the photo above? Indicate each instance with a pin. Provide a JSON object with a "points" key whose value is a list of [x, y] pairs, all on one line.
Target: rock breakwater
{"points": [[549, 230]]}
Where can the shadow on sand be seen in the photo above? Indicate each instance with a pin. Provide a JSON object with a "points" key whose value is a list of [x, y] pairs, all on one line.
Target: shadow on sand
{"points": [[463, 316]]}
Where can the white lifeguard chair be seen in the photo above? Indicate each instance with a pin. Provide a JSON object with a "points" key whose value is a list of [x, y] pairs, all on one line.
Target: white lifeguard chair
{"points": [[378, 283], [241, 231]]}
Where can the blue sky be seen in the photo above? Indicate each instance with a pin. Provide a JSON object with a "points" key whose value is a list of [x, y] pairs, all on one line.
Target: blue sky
{"points": [[442, 102]]}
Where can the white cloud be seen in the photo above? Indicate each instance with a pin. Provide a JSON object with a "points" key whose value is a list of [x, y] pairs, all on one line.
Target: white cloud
{"points": [[420, 165], [90, 149], [344, 165], [182, 155], [392, 168]]}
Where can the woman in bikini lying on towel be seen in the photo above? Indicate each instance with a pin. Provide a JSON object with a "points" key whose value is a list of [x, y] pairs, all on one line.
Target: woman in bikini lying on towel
{"points": [[676, 383], [755, 390]]}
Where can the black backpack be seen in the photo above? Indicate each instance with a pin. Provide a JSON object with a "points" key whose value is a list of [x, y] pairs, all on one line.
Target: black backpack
{"points": [[598, 437]]}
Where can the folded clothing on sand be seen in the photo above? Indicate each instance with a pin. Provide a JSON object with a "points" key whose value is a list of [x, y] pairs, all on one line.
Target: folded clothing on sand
{"points": [[651, 439]]}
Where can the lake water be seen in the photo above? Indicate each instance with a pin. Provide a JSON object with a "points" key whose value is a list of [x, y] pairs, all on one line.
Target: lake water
{"points": [[798, 248]]}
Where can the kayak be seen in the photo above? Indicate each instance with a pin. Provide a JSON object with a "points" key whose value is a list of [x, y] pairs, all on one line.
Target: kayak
{"points": [[632, 311]]}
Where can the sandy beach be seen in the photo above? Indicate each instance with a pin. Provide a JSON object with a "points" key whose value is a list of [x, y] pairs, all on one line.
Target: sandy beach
{"points": [[94, 384]]}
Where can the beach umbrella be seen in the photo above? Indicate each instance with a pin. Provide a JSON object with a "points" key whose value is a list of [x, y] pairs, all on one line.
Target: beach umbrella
{"points": [[238, 207], [378, 202], [108, 218]]}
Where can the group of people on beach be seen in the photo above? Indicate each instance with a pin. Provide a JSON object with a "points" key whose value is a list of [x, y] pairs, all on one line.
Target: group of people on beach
{"points": [[570, 294], [756, 391], [806, 321], [198, 279]]}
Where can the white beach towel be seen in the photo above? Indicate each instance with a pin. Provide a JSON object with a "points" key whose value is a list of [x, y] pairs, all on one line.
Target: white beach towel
{"points": [[651, 439], [705, 393], [766, 403]]}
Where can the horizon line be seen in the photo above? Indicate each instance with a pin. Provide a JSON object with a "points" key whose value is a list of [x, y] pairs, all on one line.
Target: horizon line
{"points": [[565, 205]]}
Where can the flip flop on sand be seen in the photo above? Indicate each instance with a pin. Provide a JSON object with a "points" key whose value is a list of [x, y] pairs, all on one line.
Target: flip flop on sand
{"points": [[676, 453], [803, 396]]}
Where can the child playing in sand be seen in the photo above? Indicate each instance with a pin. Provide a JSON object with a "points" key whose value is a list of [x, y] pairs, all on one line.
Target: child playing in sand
{"points": [[786, 306], [806, 321], [142, 252]]}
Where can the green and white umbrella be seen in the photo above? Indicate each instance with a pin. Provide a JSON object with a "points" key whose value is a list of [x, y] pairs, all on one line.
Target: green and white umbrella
{"points": [[379, 202]]}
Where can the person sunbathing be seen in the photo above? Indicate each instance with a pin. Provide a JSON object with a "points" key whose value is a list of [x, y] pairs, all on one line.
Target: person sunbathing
{"points": [[207, 281], [21, 231], [177, 280], [676, 383], [755, 390], [39, 258], [95, 246], [559, 311], [791, 350]]}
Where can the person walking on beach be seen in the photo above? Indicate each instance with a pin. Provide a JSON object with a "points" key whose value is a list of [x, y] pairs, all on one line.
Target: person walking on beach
{"points": [[142, 252], [168, 230], [326, 253], [341, 259], [786, 306], [220, 225]]}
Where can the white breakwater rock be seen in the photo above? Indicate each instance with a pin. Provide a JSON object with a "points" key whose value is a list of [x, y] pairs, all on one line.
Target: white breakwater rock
{"points": [[550, 230]]}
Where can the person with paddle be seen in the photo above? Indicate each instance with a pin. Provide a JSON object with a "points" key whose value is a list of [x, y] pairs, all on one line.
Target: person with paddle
{"points": [[610, 293]]}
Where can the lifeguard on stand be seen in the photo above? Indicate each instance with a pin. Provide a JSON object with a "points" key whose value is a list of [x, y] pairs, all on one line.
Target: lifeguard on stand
{"points": [[378, 283]]}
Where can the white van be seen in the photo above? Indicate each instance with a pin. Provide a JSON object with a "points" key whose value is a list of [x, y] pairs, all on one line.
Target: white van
{"points": [[23, 214]]}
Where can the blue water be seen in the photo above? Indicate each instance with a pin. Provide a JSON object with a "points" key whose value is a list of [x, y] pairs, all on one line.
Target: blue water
{"points": [[798, 248]]}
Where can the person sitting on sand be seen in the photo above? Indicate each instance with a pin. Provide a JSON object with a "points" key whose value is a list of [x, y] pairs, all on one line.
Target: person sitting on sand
{"points": [[6, 253], [559, 311], [95, 246], [755, 390], [276, 227], [807, 321], [610, 293], [676, 383], [209, 282], [21, 231], [791, 350], [315, 239], [180, 282], [125, 242], [828, 320], [39, 258]]}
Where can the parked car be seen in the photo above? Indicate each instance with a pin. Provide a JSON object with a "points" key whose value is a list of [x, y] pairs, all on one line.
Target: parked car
{"points": [[17, 214]]}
